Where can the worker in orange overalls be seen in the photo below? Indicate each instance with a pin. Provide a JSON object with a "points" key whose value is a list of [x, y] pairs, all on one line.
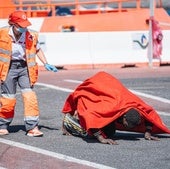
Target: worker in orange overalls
{"points": [[18, 50]]}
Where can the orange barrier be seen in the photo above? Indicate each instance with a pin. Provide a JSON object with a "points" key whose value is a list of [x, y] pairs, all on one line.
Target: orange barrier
{"points": [[38, 8]]}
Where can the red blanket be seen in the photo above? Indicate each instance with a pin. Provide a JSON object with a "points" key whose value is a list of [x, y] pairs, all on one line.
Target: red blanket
{"points": [[102, 99]]}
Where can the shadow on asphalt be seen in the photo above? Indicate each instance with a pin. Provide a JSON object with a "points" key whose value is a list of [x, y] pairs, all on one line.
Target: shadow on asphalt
{"points": [[17, 128], [49, 128], [125, 136]]}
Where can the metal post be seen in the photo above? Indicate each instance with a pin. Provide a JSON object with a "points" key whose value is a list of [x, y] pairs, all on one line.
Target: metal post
{"points": [[150, 52]]}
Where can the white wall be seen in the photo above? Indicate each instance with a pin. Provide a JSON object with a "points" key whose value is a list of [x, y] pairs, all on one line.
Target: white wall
{"points": [[98, 47]]}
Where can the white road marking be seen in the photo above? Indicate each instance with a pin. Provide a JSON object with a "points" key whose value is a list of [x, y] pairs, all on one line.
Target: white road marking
{"points": [[73, 81], [55, 87], [54, 155], [151, 97]]}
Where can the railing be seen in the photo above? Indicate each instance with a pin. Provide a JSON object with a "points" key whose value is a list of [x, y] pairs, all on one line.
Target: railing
{"points": [[38, 8]]}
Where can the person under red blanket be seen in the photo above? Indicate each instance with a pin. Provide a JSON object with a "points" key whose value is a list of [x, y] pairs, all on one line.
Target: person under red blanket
{"points": [[103, 104]]}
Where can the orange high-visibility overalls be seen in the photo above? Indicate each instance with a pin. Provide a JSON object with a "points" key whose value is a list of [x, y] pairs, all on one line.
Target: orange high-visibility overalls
{"points": [[21, 72]]}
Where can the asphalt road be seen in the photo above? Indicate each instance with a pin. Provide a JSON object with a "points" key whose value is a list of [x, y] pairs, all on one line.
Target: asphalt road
{"points": [[55, 151]]}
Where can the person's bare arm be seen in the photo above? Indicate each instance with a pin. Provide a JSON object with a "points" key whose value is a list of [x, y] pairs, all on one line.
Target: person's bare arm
{"points": [[148, 131], [102, 138], [43, 59], [41, 56]]}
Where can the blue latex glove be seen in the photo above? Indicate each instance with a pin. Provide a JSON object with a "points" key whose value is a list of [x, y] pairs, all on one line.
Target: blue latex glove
{"points": [[50, 67]]}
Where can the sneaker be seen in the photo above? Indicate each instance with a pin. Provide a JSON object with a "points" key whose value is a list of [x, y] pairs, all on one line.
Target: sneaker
{"points": [[3, 132], [35, 132]]}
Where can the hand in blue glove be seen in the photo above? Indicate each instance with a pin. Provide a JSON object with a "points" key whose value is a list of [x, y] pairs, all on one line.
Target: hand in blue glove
{"points": [[50, 67]]}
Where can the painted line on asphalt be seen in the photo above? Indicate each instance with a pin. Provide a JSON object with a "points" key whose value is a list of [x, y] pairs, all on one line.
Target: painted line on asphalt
{"points": [[55, 87], [73, 81], [54, 155], [151, 96]]}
